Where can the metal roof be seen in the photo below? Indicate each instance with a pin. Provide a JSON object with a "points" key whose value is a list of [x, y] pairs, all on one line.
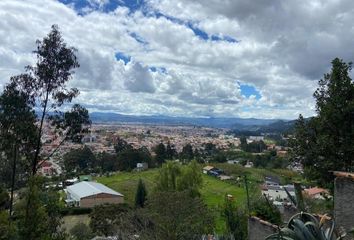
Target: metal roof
{"points": [[85, 189]]}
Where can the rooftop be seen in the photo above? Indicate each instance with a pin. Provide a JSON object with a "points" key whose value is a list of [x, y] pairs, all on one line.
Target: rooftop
{"points": [[344, 174], [85, 189], [315, 190]]}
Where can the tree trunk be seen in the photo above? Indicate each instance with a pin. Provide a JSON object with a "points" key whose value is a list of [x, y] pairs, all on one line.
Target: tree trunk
{"points": [[15, 153]]}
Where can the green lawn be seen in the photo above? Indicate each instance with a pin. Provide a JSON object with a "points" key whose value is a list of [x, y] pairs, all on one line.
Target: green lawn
{"points": [[213, 191], [126, 182]]}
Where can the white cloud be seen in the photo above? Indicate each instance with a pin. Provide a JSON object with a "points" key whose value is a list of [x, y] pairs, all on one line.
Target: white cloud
{"points": [[284, 46]]}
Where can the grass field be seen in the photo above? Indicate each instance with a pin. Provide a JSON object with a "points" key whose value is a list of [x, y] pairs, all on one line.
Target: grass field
{"points": [[213, 190]]}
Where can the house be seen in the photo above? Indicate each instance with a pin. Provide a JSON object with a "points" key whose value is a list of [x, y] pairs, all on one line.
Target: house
{"points": [[316, 192], [278, 193], [271, 181], [46, 168], [206, 169], [141, 166], [90, 194], [255, 138]]}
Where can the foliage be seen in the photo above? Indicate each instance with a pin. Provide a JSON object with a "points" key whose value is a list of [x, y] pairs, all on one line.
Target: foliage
{"points": [[45, 82], [128, 158], [141, 193], [219, 157], [167, 177], [38, 213], [7, 229], [266, 211], [81, 160], [324, 143], [76, 122], [173, 177], [176, 215], [161, 154], [17, 133], [107, 162], [121, 145], [210, 149], [105, 218], [235, 219], [187, 152], [81, 232], [254, 147], [306, 226], [4, 198], [170, 151], [190, 179]]}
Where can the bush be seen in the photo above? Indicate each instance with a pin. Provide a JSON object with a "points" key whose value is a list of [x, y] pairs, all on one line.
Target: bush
{"points": [[81, 232], [75, 211], [266, 211]]}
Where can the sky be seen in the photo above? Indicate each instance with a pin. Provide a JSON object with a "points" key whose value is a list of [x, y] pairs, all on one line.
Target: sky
{"points": [[200, 58]]}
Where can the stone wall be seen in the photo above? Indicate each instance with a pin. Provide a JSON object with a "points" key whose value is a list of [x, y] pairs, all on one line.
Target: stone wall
{"points": [[344, 200], [258, 229]]}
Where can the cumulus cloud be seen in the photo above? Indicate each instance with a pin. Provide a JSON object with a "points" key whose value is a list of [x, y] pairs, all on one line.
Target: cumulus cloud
{"points": [[138, 79], [184, 57]]}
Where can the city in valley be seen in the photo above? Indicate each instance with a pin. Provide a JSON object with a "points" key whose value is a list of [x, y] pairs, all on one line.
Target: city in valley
{"points": [[176, 120]]}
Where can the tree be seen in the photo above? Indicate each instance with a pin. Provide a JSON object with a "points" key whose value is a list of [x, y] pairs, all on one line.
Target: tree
{"points": [[235, 219], [161, 155], [7, 229], [128, 158], [4, 198], [187, 152], [17, 134], [167, 176], [107, 162], [81, 159], [32, 216], [191, 179], [170, 151], [324, 142], [176, 215], [173, 177], [45, 82], [121, 145], [210, 149], [105, 218], [141, 193]]}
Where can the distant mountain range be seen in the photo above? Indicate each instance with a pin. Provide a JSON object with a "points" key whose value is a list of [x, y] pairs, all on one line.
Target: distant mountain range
{"points": [[244, 124]]}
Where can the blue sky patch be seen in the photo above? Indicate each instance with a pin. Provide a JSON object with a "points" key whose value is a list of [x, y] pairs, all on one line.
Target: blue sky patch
{"points": [[82, 6], [248, 90], [121, 56], [198, 32], [223, 38], [158, 69], [138, 38]]}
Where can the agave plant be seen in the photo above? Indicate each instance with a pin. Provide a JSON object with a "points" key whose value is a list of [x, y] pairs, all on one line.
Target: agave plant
{"points": [[304, 226]]}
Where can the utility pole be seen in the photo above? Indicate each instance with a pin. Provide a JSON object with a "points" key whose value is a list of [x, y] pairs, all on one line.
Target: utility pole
{"points": [[248, 197]]}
